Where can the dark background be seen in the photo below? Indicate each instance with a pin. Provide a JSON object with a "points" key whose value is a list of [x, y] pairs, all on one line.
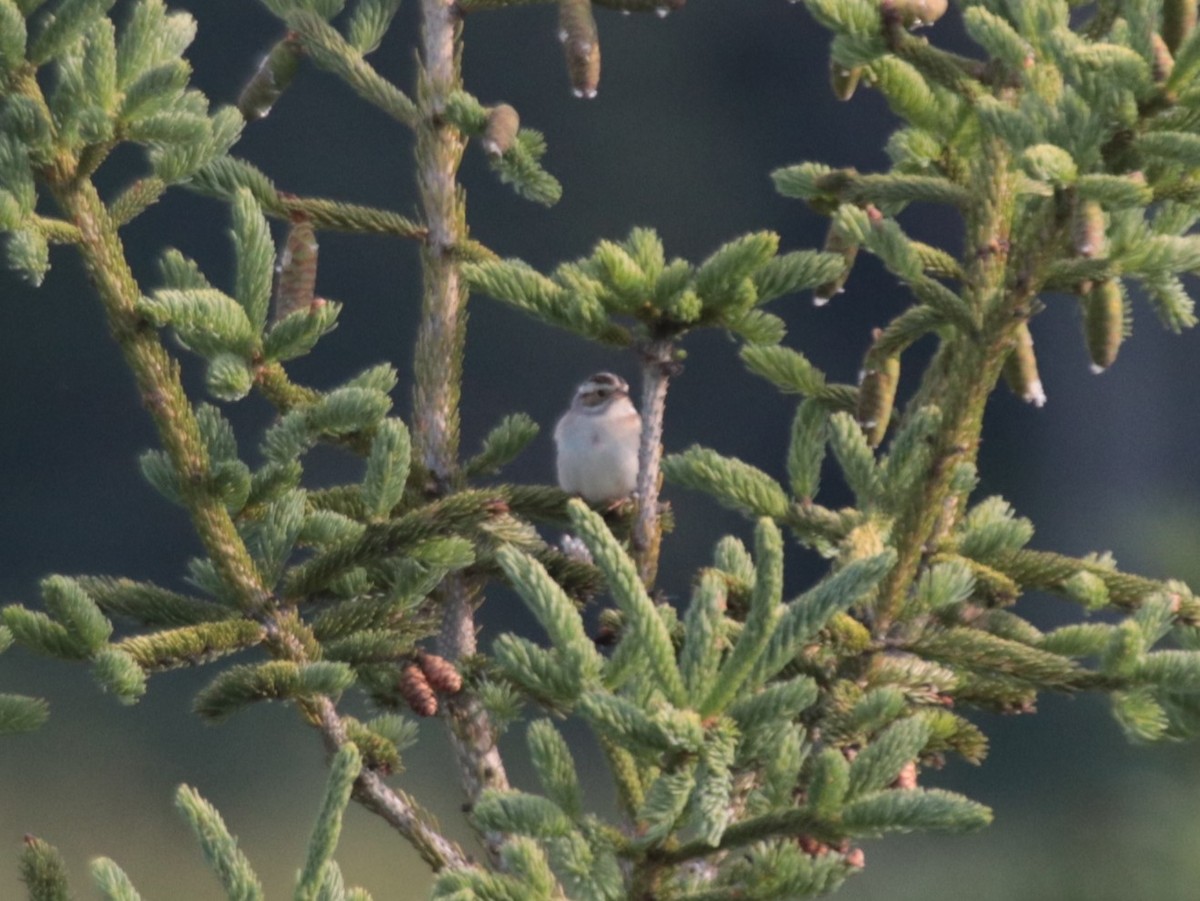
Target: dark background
{"points": [[693, 113]]}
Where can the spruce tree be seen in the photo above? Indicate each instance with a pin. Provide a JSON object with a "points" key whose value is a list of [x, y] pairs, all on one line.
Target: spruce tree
{"points": [[755, 732]]}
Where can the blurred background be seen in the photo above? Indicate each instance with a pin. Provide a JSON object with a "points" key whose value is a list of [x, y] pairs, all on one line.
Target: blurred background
{"points": [[693, 113]]}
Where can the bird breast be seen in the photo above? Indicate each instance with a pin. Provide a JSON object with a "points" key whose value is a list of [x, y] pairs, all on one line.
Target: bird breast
{"points": [[598, 452]]}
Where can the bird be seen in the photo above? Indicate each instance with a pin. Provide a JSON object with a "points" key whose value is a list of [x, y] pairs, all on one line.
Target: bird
{"points": [[597, 441]]}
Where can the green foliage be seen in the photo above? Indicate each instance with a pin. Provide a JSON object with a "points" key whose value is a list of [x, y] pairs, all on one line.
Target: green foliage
{"points": [[369, 23], [856, 458], [219, 846], [189, 645], [631, 280], [38, 631], [43, 871], [880, 762], [255, 258], [944, 585], [19, 713], [520, 166], [70, 605], [387, 468], [554, 611], [147, 603], [205, 319], [532, 293], [990, 529], [521, 814], [829, 783], [112, 881], [734, 484], [60, 31], [296, 333], [502, 444], [320, 879], [319, 863], [244, 684], [806, 450], [12, 37], [647, 734], [703, 637], [217, 133], [644, 628], [787, 369], [330, 51], [758, 626], [119, 673], [804, 616], [28, 253], [927, 810]]}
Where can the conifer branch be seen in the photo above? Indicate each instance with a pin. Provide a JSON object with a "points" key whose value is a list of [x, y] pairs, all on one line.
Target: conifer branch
{"points": [[57, 231], [337, 215], [797, 821], [961, 377], [329, 50], [658, 364], [392, 805], [1046, 571], [157, 379], [225, 175], [438, 368], [281, 391], [960, 74]]}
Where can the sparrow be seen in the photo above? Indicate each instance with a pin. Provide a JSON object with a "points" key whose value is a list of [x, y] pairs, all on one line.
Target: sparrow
{"points": [[597, 441]]}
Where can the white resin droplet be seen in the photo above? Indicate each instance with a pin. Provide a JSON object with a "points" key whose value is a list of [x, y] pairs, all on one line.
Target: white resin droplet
{"points": [[1036, 394], [661, 11], [1096, 369], [819, 301]]}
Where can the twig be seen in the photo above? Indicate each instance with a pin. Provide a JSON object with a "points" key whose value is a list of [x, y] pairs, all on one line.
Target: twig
{"points": [[396, 808], [438, 370], [658, 365]]}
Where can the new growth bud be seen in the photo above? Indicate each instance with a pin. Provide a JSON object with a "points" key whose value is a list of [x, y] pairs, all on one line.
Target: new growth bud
{"points": [[1163, 63], [836, 241], [877, 392], [503, 123], [843, 80], [1178, 20], [274, 74], [1021, 371], [581, 45], [296, 285], [1089, 230], [916, 13], [1104, 323]]}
